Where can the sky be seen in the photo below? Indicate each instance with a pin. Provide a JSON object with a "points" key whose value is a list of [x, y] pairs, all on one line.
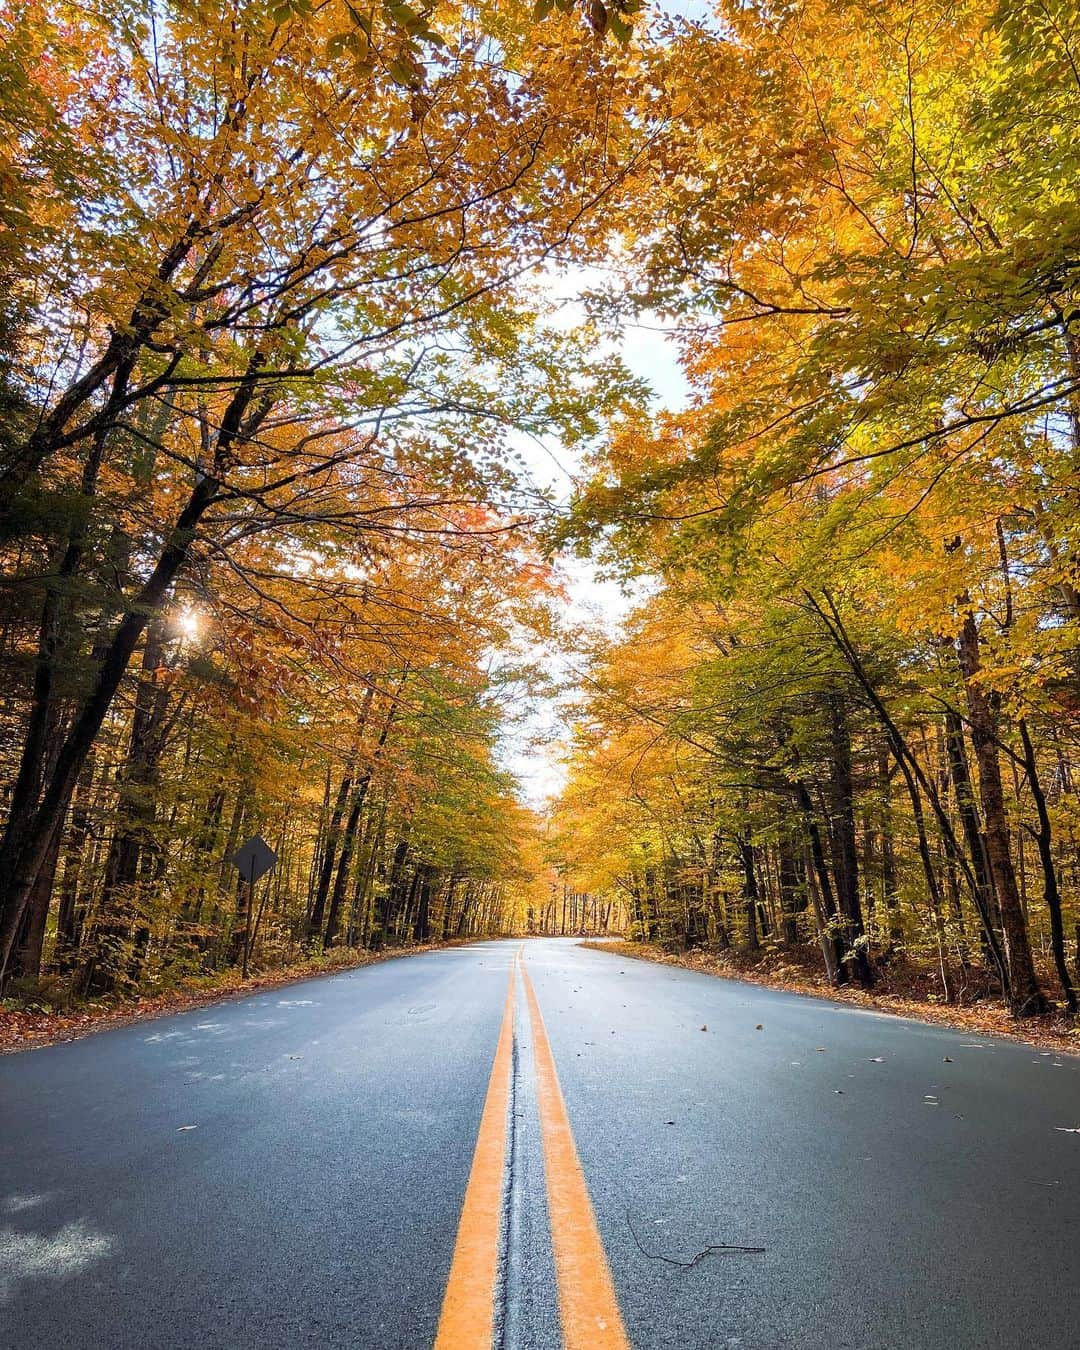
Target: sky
{"points": [[532, 748]]}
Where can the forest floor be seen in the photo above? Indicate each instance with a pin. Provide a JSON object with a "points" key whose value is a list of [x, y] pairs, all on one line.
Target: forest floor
{"points": [[906, 990], [27, 1023]]}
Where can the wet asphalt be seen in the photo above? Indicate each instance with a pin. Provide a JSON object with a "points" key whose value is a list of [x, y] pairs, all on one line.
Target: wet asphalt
{"points": [[912, 1186]]}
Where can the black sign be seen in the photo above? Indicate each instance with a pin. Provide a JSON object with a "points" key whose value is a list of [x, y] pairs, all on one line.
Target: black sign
{"points": [[254, 859]]}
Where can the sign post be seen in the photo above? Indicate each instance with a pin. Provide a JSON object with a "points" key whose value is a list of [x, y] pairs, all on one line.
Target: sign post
{"points": [[252, 860]]}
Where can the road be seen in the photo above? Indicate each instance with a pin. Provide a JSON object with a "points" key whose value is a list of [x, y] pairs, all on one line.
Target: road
{"points": [[498, 1144]]}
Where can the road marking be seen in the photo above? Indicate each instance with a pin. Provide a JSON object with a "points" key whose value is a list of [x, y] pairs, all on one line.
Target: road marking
{"points": [[467, 1320], [590, 1311]]}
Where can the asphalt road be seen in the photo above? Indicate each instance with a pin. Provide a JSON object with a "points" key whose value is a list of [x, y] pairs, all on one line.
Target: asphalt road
{"points": [[911, 1186]]}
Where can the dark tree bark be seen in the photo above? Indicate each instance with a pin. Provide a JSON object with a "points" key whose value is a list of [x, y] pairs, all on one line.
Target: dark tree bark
{"points": [[348, 843], [832, 948], [913, 773], [422, 920], [750, 891], [889, 884], [27, 839], [387, 910], [25, 847], [136, 811], [1043, 837], [965, 805], [68, 918], [846, 853], [1025, 995], [348, 847], [329, 857], [792, 887], [31, 940]]}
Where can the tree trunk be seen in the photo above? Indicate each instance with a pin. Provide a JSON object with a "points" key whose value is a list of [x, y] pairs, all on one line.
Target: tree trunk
{"points": [[912, 770], [888, 852], [422, 921], [750, 892], [136, 811], [831, 947], [348, 847], [845, 850], [25, 847], [1043, 839], [792, 888], [31, 940], [965, 805], [329, 857], [1025, 996]]}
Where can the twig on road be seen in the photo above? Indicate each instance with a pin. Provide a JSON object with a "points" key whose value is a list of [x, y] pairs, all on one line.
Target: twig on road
{"points": [[698, 1256]]}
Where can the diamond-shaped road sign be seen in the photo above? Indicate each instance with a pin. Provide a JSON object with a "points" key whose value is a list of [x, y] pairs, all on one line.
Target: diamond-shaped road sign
{"points": [[254, 859]]}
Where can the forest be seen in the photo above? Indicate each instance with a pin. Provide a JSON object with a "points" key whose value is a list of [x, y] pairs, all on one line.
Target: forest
{"points": [[282, 333]]}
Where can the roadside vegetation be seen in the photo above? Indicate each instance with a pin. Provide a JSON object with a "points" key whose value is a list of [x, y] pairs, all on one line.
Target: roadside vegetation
{"points": [[269, 328], [841, 727]]}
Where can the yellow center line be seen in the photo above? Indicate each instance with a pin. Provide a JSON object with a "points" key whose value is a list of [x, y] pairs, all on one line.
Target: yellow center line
{"points": [[589, 1309], [467, 1321]]}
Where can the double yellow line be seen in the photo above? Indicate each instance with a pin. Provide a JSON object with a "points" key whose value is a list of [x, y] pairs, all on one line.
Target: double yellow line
{"points": [[587, 1304]]}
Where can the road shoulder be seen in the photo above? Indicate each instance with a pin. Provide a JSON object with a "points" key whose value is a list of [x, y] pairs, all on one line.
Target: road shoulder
{"points": [[1045, 1033], [32, 1026]]}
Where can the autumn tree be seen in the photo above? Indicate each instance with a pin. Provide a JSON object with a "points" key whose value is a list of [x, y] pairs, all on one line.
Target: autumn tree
{"points": [[874, 289]]}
